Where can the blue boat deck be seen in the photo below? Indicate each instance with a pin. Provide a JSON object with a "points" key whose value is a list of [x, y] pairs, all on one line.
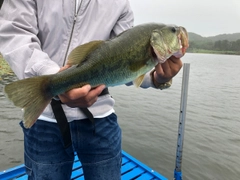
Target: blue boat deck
{"points": [[131, 169]]}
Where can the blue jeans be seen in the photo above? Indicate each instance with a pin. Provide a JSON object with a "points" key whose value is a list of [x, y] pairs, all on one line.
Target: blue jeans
{"points": [[100, 152]]}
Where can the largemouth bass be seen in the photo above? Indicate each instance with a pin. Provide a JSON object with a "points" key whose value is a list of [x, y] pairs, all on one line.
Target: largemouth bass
{"points": [[117, 61]]}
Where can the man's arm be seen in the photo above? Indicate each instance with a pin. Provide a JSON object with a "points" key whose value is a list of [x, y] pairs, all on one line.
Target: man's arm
{"points": [[162, 75], [125, 20], [19, 43], [74, 98], [21, 47]]}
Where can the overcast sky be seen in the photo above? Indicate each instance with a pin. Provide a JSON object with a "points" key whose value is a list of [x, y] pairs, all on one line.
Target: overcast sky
{"points": [[204, 17]]}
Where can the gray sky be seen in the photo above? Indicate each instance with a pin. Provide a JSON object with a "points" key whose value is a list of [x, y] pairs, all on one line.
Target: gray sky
{"points": [[204, 17]]}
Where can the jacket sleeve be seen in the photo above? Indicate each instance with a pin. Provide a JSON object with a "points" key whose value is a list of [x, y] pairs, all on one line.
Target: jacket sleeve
{"points": [[19, 43], [125, 20]]}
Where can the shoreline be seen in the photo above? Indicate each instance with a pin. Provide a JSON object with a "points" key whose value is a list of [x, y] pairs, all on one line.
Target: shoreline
{"points": [[204, 51], [6, 70]]}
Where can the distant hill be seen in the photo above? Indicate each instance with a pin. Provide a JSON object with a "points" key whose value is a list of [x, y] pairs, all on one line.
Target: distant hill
{"points": [[220, 44], [229, 37], [221, 37], [195, 37]]}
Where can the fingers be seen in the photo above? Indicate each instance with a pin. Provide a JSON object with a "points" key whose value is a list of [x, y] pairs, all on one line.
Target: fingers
{"points": [[167, 70], [92, 96], [175, 60], [81, 97], [75, 93], [175, 64], [64, 67], [163, 69]]}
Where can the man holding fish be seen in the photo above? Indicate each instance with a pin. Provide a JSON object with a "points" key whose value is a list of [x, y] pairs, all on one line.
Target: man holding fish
{"points": [[66, 54]]}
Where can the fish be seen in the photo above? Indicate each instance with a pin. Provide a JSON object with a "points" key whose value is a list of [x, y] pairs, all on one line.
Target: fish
{"points": [[120, 60]]}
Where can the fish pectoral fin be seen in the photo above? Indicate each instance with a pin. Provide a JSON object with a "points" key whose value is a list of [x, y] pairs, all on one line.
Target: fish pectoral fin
{"points": [[78, 54], [137, 82]]}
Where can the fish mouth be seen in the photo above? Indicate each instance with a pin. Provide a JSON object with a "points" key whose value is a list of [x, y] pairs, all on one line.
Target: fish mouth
{"points": [[183, 42], [183, 39]]}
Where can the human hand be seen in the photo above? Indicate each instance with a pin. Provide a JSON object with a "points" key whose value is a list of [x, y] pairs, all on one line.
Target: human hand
{"points": [[80, 97], [166, 71]]}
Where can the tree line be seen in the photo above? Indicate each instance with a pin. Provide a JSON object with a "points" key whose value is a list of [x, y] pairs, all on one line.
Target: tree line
{"points": [[220, 45], [227, 45]]}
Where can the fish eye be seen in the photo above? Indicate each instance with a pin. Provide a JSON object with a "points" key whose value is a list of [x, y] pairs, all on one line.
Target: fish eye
{"points": [[174, 29]]}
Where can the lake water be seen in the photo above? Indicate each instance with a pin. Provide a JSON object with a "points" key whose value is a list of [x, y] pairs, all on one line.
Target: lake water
{"points": [[149, 121]]}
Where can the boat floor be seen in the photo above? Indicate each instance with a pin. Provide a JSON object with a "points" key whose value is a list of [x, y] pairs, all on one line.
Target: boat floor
{"points": [[131, 169]]}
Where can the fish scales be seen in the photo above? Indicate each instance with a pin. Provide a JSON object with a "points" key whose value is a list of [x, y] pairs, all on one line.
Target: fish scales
{"points": [[110, 63]]}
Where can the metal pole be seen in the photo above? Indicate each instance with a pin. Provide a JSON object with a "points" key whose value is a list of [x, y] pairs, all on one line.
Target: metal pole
{"points": [[181, 126]]}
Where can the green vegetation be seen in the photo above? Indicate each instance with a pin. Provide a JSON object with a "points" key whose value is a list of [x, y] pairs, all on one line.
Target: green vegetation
{"points": [[4, 68], [221, 44], [205, 51]]}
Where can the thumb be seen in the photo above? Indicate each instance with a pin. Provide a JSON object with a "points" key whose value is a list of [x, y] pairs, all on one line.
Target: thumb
{"points": [[64, 68]]}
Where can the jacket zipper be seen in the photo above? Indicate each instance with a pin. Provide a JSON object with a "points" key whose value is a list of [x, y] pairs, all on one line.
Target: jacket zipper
{"points": [[74, 22]]}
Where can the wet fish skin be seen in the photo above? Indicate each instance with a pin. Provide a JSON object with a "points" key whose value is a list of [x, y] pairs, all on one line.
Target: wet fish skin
{"points": [[121, 61], [117, 56], [114, 62]]}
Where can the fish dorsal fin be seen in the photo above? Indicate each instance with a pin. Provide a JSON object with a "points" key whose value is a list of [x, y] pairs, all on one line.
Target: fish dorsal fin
{"points": [[137, 82], [79, 53]]}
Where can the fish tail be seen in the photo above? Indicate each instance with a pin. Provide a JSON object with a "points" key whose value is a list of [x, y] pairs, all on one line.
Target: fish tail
{"points": [[32, 95]]}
